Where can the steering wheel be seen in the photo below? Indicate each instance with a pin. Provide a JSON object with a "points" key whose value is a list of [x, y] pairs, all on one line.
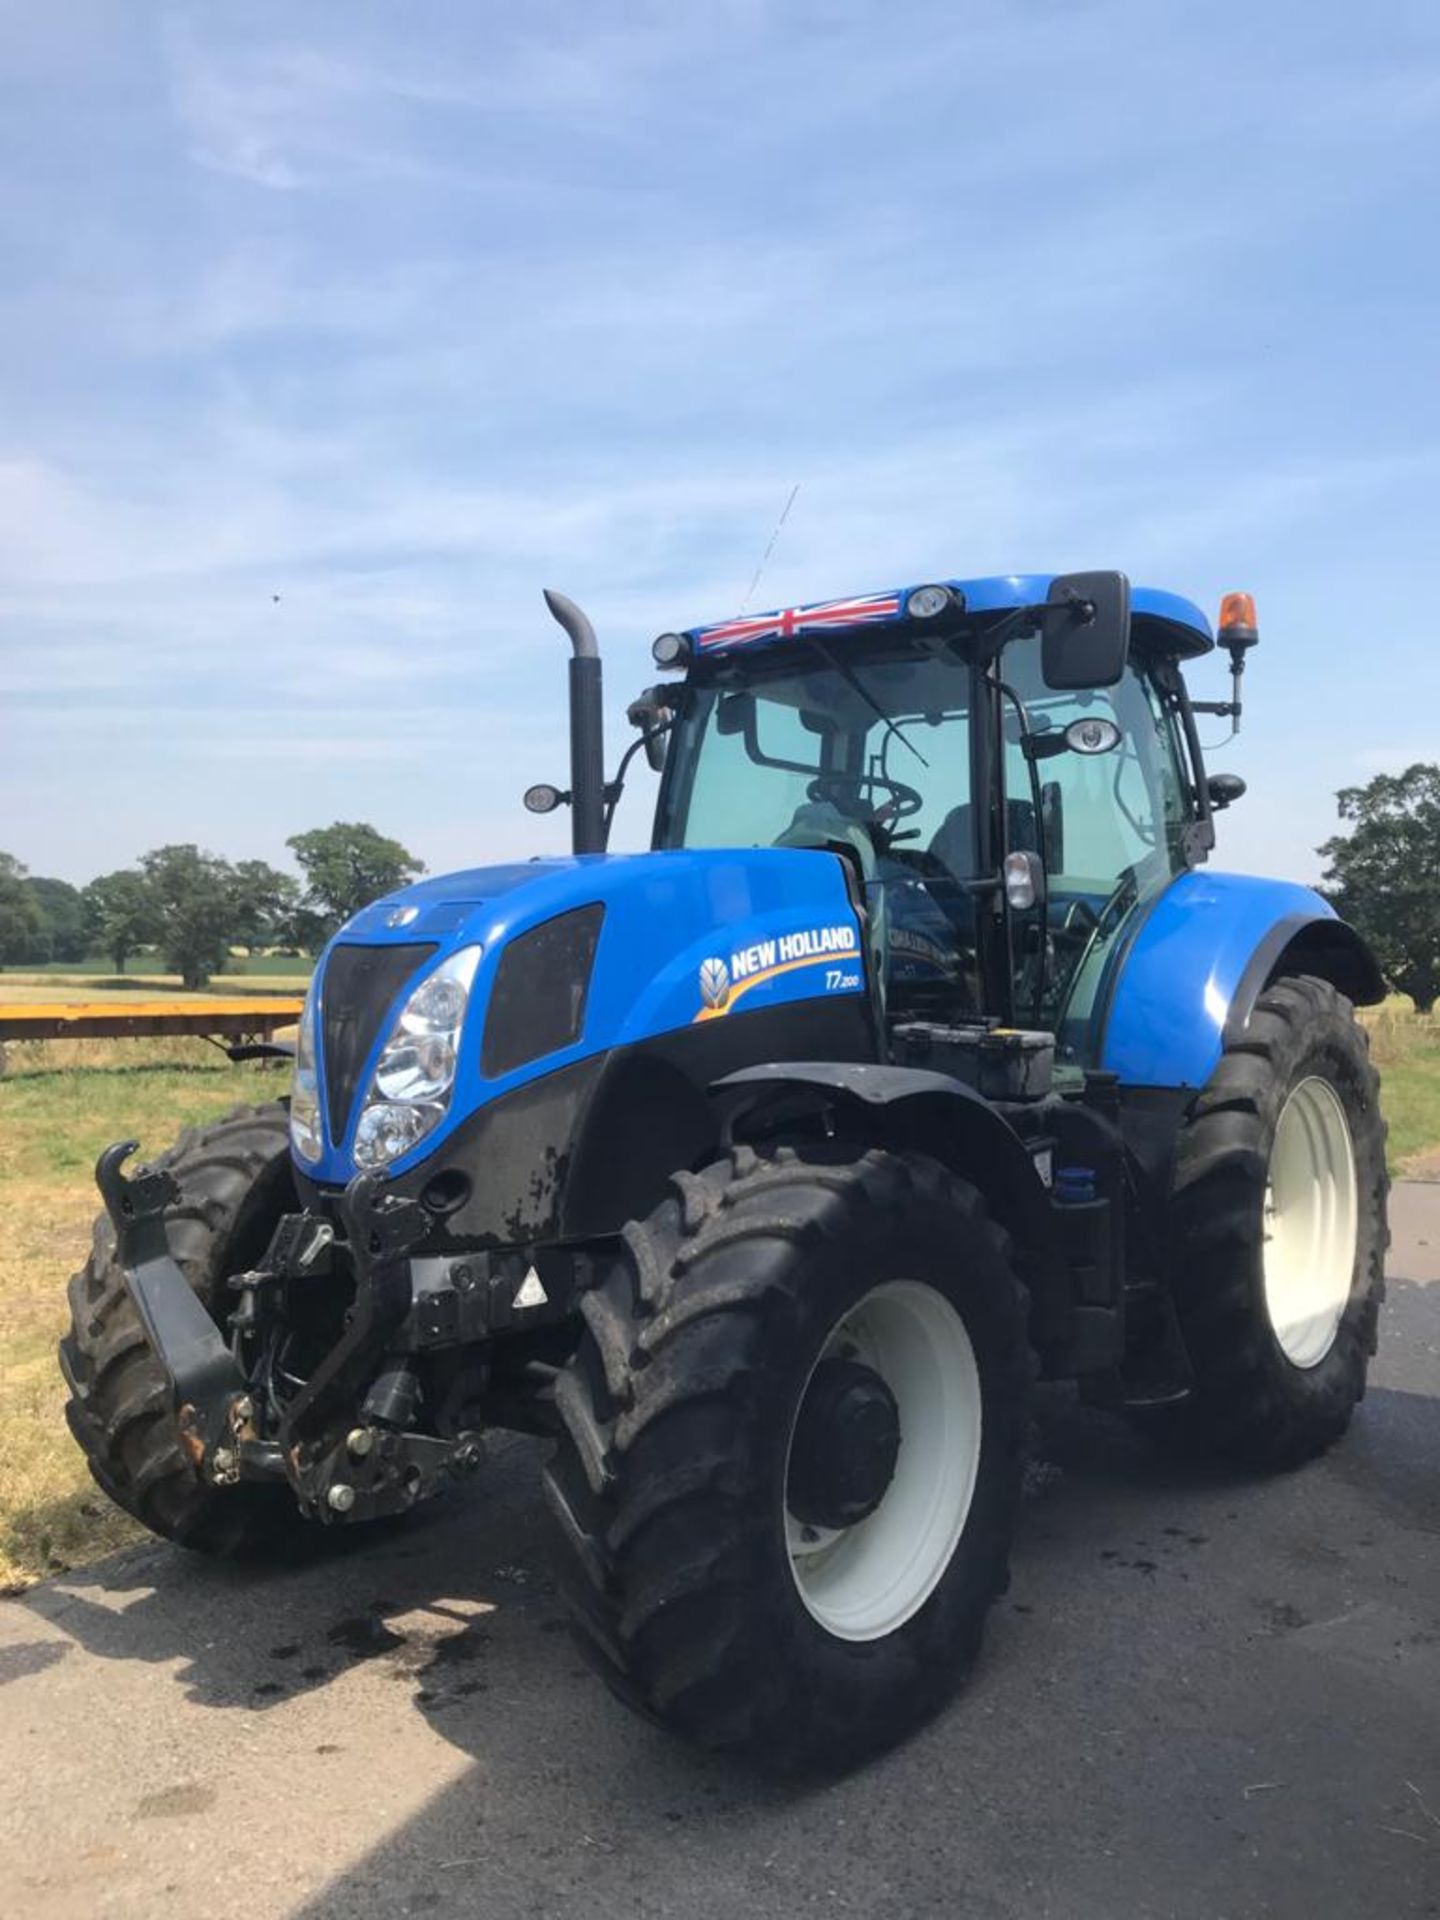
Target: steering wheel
{"points": [[834, 788]]}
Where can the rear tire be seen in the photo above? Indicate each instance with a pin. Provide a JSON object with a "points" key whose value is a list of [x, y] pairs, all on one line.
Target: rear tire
{"points": [[706, 1601], [235, 1182], [1278, 1232]]}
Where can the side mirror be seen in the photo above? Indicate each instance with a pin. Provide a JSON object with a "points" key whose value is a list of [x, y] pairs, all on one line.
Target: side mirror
{"points": [[1223, 788], [1085, 630]]}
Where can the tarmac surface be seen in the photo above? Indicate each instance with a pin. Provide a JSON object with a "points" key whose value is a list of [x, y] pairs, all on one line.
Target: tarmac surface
{"points": [[1203, 1696]]}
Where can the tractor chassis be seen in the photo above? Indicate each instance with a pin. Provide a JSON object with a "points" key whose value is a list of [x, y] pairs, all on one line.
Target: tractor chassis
{"points": [[343, 1439]]}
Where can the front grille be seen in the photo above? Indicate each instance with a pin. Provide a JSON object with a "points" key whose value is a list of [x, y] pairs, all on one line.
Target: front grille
{"points": [[360, 986]]}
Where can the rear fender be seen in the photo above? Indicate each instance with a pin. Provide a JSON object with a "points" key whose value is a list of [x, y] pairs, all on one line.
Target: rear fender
{"points": [[1200, 960], [1327, 948]]}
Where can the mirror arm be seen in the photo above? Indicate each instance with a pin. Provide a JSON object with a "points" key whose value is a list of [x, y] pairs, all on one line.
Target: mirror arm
{"points": [[1043, 746], [615, 786]]}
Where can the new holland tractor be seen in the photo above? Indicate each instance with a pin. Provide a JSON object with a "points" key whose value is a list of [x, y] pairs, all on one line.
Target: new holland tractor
{"points": [[763, 1173]]}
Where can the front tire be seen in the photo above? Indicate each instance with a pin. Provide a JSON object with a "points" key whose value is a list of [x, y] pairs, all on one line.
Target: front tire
{"points": [[235, 1182], [789, 1467], [1278, 1231]]}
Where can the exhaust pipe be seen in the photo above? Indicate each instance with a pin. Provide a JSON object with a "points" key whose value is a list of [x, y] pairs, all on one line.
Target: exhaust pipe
{"points": [[587, 728]]}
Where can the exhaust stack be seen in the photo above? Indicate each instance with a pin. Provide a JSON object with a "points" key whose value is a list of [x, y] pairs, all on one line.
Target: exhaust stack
{"points": [[587, 728]]}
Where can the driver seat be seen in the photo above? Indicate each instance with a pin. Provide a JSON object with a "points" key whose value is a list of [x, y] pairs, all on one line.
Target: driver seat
{"points": [[954, 842]]}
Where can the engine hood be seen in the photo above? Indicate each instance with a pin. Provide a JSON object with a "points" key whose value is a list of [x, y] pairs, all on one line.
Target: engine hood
{"points": [[686, 936]]}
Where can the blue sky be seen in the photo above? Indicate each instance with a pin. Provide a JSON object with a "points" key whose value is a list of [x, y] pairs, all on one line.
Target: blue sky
{"points": [[401, 312]]}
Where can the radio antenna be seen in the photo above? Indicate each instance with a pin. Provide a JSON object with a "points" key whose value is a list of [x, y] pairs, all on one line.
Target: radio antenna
{"points": [[770, 548]]}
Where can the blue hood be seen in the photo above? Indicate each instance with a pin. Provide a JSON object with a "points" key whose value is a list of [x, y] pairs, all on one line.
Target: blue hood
{"points": [[687, 935]]}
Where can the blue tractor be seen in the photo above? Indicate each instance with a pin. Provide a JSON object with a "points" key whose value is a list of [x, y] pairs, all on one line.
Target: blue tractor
{"points": [[763, 1173]]}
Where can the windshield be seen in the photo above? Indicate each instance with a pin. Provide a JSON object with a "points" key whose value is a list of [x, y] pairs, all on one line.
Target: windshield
{"points": [[870, 758]]}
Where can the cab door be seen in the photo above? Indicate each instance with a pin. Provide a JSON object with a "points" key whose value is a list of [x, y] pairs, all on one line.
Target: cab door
{"points": [[1111, 828]]}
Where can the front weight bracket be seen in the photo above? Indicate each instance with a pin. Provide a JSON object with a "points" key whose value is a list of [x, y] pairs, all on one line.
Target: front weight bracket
{"points": [[201, 1371]]}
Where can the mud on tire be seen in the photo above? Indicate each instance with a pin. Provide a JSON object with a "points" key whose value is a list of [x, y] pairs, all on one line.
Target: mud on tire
{"points": [[669, 1481], [235, 1181], [1250, 1401]]}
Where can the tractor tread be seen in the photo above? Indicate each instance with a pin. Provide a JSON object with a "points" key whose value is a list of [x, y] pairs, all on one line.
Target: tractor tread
{"points": [[1248, 1402], [659, 1471]]}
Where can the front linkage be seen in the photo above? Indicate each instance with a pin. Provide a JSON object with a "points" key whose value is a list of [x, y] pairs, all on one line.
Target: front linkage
{"points": [[337, 1467]]}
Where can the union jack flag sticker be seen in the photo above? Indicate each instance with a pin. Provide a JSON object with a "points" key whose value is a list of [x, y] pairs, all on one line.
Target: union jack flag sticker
{"points": [[826, 616]]}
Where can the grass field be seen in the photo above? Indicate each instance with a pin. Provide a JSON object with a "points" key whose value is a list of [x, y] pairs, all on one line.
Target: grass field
{"points": [[30, 990], [28, 987], [142, 968], [65, 1100], [1407, 1052]]}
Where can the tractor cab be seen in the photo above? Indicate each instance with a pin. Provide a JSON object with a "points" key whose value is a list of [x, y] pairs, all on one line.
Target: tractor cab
{"points": [[1007, 767]]}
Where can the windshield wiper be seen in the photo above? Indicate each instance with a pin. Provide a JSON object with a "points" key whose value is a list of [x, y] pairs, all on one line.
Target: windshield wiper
{"points": [[852, 679]]}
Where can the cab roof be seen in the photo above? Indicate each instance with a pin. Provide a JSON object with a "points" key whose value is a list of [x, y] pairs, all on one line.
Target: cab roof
{"points": [[1168, 623]]}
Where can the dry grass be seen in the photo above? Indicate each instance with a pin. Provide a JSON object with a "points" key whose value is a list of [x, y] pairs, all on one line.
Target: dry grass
{"points": [[1406, 1049], [60, 1104], [42, 989]]}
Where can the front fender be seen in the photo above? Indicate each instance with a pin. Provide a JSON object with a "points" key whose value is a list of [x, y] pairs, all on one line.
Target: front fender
{"points": [[911, 1107], [1200, 960]]}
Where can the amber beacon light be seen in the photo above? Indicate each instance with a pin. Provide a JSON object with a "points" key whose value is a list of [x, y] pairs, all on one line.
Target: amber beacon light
{"points": [[1237, 626]]}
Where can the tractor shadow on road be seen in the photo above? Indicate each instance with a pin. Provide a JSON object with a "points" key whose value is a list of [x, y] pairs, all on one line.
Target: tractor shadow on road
{"points": [[461, 1600], [1127, 1559]]}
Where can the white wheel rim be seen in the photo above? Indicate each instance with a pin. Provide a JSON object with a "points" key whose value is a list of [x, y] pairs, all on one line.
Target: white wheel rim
{"points": [[862, 1582], [1311, 1221]]}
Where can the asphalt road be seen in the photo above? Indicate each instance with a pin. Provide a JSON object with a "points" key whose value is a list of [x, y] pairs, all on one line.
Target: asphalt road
{"points": [[1203, 1697]]}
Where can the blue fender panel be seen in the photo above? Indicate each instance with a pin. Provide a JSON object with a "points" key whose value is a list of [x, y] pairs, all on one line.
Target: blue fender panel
{"points": [[1170, 1005]]}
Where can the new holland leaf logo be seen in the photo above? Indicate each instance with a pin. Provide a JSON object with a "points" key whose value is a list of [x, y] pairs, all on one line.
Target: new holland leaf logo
{"points": [[714, 982]]}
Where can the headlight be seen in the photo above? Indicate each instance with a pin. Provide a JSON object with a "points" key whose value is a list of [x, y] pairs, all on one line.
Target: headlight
{"points": [[415, 1074], [305, 1133]]}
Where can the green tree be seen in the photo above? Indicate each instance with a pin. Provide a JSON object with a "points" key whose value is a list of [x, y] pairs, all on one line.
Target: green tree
{"points": [[265, 903], [21, 925], [1384, 875], [62, 914], [194, 899], [121, 914], [346, 866]]}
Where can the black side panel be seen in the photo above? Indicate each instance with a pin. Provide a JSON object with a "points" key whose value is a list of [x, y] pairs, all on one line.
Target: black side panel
{"points": [[1150, 1121], [537, 1005], [578, 1152], [360, 984], [654, 1109]]}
